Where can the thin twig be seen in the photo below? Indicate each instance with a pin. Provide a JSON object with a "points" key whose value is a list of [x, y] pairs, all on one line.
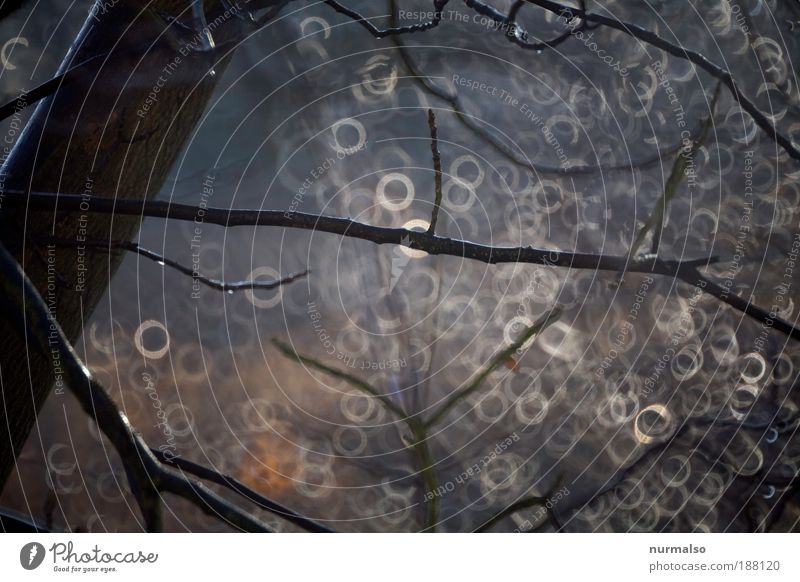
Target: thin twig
{"points": [[385, 401], [517, 34], [24, 307], [515, 156], [14, 522], [438, 6], [499, 359], [653, 454], [692, 56], [676, 177], [687, 153], [419, 432], [228, 287], [437, 168]]}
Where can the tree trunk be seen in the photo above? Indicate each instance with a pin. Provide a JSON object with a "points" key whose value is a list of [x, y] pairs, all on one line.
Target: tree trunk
{"points": [[114, 130]]}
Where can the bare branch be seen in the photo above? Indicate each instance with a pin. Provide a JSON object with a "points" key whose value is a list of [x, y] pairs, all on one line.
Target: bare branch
{"points": [[438, 5], [12, 521], [240, 488], [24, 306], [515, 156], [692, 276], [656, 220], [417, 240], [437, 168], [228, 287], [693, 57], [517, 33]]}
